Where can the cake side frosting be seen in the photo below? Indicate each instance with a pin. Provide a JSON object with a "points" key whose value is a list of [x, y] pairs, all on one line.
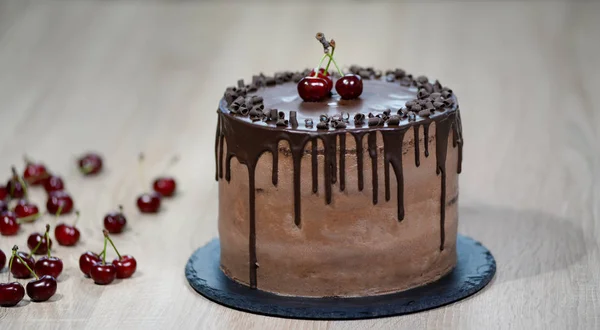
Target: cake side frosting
{"points": [[320, 157]]}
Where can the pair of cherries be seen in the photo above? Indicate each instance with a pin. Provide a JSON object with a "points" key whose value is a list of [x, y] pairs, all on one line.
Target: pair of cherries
{"points": [[317, 87], [95, 266], [41, 289], [162, 187]]}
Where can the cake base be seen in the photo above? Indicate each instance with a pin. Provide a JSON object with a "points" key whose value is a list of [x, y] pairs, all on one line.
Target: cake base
{"points": [[474, 269]]}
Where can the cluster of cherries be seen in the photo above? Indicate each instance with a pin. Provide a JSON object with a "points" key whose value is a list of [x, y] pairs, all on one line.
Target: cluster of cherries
{"points": [[16, 208], [21, 265], [318, 84], [94, 265]]}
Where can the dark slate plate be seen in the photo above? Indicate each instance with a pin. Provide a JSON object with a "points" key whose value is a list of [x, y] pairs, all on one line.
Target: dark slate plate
{"points": [[474, 270]]}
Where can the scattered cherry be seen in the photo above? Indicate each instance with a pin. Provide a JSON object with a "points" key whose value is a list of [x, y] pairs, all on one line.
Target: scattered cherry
{"points": [[40, 243], [8, 224], [59, 200], [165, 186], [149, 203], [26, 211], [19, 269], [34, 173], [11, 294], [313, 89], [90, 163], [16, 187], [41, 289], [67, 235], [87, 260], [114, 222], [3, 193], [2, 259], [125, 266], [54, 183], [349, 86], [325, 76], [103, 273]]}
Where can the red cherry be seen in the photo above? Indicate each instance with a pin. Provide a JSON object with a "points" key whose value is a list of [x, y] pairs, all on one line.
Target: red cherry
{"points": [[165, 186], [349, 86], [8, 224], [3, 193], [33, 241], [149, 203], [19, 270], [114, 222], [26, 211], [35, 173], [52, 266], [66, 235], [58, 198], [15, 186], [11, 294], [54, 183], [86, 261], [90, 163], [313, 89], [125, 266], [41, 289], [323, 75], [103, 273], [2, 259]]}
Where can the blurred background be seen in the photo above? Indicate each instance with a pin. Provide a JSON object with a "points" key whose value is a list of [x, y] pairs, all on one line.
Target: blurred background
{"points": [[123, 77]]}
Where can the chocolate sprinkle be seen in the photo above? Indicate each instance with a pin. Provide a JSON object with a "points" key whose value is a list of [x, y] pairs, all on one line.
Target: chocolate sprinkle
{"points": [[375, 121], [240, 83], [293, 119], [282, 122], [273, 115], [425, 113], [322, 125], [393, 120]]}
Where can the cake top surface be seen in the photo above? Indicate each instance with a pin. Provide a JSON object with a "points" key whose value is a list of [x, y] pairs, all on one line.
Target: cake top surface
{"points": [[393, 99]]}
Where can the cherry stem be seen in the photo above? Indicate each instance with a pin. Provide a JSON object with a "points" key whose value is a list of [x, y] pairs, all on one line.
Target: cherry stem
{"points": [[15, 249], [21, 181], [47, 235], [320, 63], [59, 211], [330, 58], [112, 243], [103, 254], [10, 262], [35, 248], [121, 208], [336, 65]]}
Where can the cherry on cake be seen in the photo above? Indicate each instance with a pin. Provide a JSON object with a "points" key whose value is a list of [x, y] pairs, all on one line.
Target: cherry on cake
{"points": [[338, 195]]}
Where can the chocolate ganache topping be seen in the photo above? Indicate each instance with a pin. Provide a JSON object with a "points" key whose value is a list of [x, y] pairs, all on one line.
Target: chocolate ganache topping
{"points": [[253, 118]]}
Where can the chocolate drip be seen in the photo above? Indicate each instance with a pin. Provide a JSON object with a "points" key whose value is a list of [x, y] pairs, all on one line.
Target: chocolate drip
{"points": [[373, 154], [359, 157], [315, 163], [221, 140], [329, 142], [442, 133], [297, 143], [392, 153], [228, 166], [342, 161], [457, 140], [417, 153], [252, 239], [274, 175], [426, 138], [218, 136]]}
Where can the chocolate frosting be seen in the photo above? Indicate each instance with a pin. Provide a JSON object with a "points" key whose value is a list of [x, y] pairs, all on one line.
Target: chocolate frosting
{"points": [[247, 139]]}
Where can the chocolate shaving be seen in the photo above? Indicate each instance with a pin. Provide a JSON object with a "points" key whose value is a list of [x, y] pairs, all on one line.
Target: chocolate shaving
{"points": [[390, 78], [230, 97], [438, 105], [359, 119], [425, 113], [364, 74], [346, 116], [240, 83], [375, 121], [282, 122], [293, 119], [281, 115], [405, 82], [422, 93], [323, 118], [257, 99], [412, 116], [243, 110], [270, 81], [422, 79], [337, 124], [437, 87], [322, 125], [394, 120], [308, 123], [273, 114]]}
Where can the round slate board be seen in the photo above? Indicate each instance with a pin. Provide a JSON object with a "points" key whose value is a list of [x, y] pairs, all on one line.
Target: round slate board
{"points": [[475, 268]]}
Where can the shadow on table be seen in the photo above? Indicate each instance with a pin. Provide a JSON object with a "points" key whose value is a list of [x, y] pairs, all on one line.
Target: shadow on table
{"points": [[524, 243]]}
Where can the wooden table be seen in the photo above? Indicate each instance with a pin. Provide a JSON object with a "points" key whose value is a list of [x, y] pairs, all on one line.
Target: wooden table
{"points": [[128, 77]]}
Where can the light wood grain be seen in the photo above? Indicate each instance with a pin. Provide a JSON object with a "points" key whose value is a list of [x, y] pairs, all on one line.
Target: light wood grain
{"points": [[126, 77]]}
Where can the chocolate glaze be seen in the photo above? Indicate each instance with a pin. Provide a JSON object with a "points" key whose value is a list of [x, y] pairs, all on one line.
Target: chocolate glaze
{"points": [[247, 141]]}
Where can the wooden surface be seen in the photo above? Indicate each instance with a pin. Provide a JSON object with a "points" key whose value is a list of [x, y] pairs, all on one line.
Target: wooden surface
{"points": [[129, 77]]}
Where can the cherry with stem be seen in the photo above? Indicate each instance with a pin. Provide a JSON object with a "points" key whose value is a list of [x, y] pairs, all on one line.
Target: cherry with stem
{"points": [[38, 243], [48, 265], [124, 264], [101, 272], [34, 173], [11, 293], [115, 222], [40, 289], [16, 186], [147, 202]]}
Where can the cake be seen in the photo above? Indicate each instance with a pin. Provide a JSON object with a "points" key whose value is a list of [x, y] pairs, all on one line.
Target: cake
{"points": [[337, 197]]}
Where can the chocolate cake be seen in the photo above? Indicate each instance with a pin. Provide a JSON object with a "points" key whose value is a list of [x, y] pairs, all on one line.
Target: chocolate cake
{"points": [[338, 197]]}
